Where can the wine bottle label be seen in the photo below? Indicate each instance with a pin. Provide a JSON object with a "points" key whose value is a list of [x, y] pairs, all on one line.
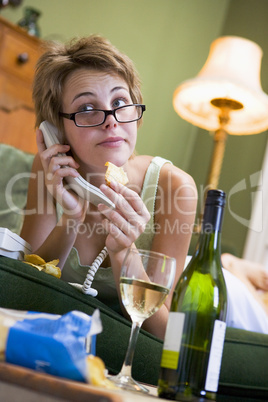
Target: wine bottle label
{"points": [[172, 342], [214, 363]]}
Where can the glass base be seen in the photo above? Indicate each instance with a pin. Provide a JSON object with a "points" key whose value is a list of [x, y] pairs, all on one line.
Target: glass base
{"points": [[127, 383]]}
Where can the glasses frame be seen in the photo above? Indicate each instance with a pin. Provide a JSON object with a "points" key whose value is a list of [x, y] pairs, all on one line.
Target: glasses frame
{"points": [[71, 116]]}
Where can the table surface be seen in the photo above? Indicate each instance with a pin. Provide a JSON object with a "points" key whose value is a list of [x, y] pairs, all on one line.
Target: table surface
{"points": [[20, 384]]}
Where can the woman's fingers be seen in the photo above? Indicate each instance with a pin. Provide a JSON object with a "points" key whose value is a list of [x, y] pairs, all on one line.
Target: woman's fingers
{"points": [[57, 165], [128, 220], [125, 199], [51, 151], [132, 225], [116, 239], [55, 162]]}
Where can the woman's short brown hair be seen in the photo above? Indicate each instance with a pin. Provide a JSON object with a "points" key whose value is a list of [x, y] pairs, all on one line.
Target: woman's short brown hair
{"points": [[59, 60]]}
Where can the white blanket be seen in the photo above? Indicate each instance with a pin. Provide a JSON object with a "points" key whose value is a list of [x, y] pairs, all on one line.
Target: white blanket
{"points": [[243, 310]]}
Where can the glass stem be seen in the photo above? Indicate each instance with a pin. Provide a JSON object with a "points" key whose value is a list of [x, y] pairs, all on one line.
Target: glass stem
{"points": [[126, 368]]}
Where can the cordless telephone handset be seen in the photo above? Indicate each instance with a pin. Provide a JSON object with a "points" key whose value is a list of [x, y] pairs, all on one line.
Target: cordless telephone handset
{"points": [[83, 188]]}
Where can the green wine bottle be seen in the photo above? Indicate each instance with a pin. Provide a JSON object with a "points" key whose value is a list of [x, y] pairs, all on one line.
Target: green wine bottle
{"points": [[193, 345]]}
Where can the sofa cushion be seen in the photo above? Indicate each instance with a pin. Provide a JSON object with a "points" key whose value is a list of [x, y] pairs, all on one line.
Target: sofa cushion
{"points": [[245, 356], [244, 370], [14, 180]]}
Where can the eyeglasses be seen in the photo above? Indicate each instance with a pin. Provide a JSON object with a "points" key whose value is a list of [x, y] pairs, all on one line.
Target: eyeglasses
{"points": [[96, 117]]}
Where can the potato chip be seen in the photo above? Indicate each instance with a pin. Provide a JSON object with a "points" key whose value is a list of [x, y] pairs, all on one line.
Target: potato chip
{"points": [[52, 270], [34, 259], [96, 373], [4, 330], [39, 267], [54, 262], [40, 264]]}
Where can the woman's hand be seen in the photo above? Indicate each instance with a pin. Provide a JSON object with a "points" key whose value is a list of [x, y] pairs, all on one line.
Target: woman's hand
{"points": [[56, 168], [127, 221]]}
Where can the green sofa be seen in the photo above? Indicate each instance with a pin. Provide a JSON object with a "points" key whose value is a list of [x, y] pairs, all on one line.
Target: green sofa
{"points": [[244, 371]]}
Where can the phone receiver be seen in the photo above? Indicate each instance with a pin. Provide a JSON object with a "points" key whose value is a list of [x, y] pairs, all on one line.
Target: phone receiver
{"points": [[82, 187]]}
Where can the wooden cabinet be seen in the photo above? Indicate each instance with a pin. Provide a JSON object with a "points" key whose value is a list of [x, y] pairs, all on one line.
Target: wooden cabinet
{"points": [[18, 56]]}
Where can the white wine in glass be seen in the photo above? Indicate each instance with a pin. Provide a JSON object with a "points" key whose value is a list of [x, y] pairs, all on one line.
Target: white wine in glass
{"points": [[145, 282]]}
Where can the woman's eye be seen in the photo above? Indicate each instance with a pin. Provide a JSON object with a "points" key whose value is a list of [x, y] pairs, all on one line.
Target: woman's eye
{"points": [[85, 108], [119, 102]]}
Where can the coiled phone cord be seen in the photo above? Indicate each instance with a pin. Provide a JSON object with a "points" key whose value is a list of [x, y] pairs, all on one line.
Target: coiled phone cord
{"points": [[86, 287]]}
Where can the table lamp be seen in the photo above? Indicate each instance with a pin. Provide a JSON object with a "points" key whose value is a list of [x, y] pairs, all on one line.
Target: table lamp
{"points": [[226, 96]]}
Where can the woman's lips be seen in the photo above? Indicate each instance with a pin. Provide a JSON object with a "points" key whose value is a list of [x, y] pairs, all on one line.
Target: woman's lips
{"points": [[112, 142]]}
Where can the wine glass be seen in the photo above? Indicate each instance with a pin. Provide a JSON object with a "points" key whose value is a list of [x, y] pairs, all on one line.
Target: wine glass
{"points": [[145, 281]]}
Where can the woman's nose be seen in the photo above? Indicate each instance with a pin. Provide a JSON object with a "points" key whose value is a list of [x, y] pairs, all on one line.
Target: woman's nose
{"points": [[110, 121]]}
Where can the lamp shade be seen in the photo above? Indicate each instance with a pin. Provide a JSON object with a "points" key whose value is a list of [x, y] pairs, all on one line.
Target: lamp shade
{"points": [[231, 74]]}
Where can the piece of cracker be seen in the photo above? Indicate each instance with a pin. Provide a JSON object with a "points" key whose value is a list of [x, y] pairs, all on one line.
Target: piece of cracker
{"points": [[115, 173]]}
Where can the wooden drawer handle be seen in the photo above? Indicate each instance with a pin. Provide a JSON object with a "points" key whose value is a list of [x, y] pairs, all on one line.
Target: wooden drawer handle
{"points": [[23, 58]]}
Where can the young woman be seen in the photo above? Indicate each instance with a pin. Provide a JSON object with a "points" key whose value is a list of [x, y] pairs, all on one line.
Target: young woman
{"points": [[91, 92]]}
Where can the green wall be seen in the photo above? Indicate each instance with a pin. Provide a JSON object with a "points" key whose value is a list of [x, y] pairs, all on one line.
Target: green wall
{"points": [[169, 42]]}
